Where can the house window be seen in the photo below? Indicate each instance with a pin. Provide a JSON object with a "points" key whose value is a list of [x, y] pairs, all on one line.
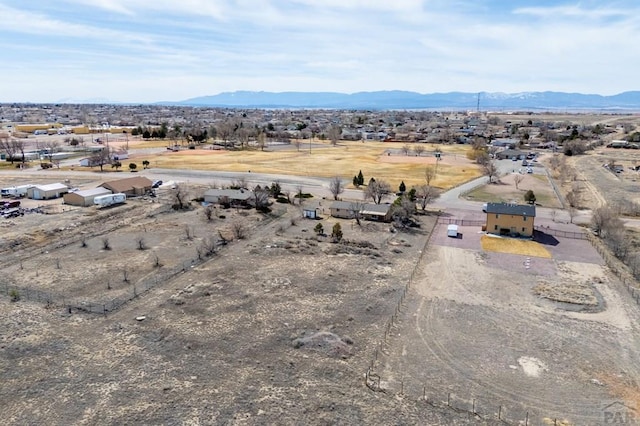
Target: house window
{"points": [[523, 230], [497, 216], [495, 227], [524, 218]]}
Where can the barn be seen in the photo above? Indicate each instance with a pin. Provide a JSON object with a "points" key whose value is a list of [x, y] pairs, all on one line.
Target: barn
{"points": [[47, 192], [85, 197]]}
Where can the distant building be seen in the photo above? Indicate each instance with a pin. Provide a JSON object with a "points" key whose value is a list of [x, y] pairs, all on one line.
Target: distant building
{"points": [[510, 219]]}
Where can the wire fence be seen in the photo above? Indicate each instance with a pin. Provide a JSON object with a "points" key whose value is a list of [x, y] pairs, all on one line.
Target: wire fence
{"points": [[461, 222]]}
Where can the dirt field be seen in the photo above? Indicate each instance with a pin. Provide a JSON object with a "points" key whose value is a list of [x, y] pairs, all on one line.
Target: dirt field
{"points": [[276, 328], [510, 334]]}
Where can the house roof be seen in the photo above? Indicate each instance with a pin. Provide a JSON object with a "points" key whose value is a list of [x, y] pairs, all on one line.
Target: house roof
{"points": [[127, 184], [93, 192], [52, 187], [512, 209], [233, 194], [375, 209], [347, 205]]}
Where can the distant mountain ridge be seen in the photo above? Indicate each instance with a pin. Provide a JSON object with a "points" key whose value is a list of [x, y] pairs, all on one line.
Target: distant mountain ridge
{"points": [[397, 99]]}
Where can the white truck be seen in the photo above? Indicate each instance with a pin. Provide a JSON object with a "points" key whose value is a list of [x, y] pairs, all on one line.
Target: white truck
{"points": [[110, 199], [16, 191], [452, 231]]}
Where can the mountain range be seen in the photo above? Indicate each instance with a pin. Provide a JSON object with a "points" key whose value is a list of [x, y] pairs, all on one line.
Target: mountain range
{"points": [[395, 99]]}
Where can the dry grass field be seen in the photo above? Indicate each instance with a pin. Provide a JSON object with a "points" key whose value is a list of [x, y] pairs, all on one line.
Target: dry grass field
{"points": [[513, 246], [375, 159]]}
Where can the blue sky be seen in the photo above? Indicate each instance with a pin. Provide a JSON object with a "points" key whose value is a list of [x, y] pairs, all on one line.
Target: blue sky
{"points": [[152, 50]]}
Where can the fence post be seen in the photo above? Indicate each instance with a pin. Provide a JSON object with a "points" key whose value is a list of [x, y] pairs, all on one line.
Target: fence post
{"points": [[449, 399], [473, 406], [500, 412], [526, 419]]}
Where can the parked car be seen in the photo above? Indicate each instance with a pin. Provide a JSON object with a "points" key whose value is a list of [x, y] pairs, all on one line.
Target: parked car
{"points": [[156, 184]]}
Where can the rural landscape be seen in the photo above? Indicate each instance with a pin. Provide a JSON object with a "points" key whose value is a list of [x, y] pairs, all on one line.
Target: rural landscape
{"points": [[178, 265]]}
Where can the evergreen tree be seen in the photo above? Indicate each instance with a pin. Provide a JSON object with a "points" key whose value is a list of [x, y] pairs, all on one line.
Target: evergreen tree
{"points": [[402, 188], [360, 178]]}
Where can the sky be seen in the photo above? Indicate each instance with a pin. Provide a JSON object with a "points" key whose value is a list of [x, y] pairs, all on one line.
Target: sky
{"points": [[170, 50]]}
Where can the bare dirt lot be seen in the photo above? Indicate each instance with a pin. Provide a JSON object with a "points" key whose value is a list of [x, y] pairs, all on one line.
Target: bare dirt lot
{"points": [[275, 328], [516, 336]]}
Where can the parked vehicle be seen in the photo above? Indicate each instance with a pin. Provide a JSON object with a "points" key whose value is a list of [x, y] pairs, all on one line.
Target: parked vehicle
{"points": [[15, 191], [110, 199], [156, 184], [452, 231]]}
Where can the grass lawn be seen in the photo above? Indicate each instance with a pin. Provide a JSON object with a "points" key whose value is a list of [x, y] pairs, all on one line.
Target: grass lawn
{"points": [[514, 246], [344, 160]]}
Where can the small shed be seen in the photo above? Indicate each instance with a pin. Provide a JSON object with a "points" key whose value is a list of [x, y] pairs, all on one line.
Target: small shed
{"points": [[85, 197], [310, 210], [47, 192]]}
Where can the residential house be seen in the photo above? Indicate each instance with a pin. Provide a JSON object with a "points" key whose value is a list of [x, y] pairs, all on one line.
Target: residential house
{"points": [[376, 212], [368, 211], [132, 186], [343, 209], [510, 219], [229, 197]]}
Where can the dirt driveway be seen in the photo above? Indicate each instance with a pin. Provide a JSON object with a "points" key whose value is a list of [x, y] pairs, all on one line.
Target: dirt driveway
{"points": [[488, 334]]}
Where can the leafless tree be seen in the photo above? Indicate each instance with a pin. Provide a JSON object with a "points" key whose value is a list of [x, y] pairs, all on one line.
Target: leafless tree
{"points": [[156, 261], [188, 232], [405, 149], [297, 143], [105, 244], [100, 158], [209, 212], [141, 244], [225, 130], [239, 182], [517, 179], [377, 190], [300, 194], [207, 248], [334, 133], [574, 196], [125, 274], [336, 186], [261, 139], [260, 198], [418, 149], [429, 174], [604, 220], [426, 194], [52, 148], [356, 208], [180, 197], [490, 169], [12, 147], [238, 230]]}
